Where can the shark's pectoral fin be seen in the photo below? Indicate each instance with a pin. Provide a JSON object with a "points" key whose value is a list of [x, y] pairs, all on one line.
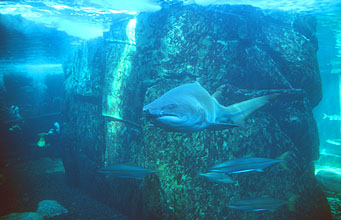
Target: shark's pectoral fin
{"points": [[220, 126]]}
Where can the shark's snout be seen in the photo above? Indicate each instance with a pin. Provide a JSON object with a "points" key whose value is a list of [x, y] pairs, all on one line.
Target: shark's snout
{"points": [[148, 113]]}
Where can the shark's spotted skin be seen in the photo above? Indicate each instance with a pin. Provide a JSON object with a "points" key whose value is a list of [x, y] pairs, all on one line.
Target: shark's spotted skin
{"points": [[190, 108]]}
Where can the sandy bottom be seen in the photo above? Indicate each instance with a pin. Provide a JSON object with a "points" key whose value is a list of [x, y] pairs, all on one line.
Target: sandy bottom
{"points": [[24, 183]]}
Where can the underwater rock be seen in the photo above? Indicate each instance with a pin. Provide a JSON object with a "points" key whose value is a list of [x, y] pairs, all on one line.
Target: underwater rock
{"points": [[297, 120], [46, 209], [190, 43], [240, 52], [102, 108], [330, 180], [22, 216], [50, 208]]}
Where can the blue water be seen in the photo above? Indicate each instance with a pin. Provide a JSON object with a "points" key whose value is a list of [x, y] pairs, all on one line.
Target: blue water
{"points": [[88, 19], [38, 37]]}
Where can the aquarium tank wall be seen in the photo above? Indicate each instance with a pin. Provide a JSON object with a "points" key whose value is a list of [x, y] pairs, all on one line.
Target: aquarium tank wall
{"points": [[170, 109]]}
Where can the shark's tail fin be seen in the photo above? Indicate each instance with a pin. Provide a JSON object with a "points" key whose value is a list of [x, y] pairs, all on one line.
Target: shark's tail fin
{"points": [[239, 111], [324, 116]]}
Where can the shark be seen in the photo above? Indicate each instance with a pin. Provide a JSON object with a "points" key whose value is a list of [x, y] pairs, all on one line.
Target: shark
{"points": [[190, 108]]}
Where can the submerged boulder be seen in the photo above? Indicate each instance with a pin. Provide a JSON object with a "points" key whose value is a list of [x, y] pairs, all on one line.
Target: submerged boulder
{"points": [[46, 209], [50, 208], [237, 52], [22, 216]]}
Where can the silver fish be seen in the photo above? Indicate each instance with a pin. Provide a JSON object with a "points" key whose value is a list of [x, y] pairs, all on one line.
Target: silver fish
{"points": [[332, 117], [243, 165], [257, 204], [217, 177], [190, 108], [127, 171], [334, 141]]}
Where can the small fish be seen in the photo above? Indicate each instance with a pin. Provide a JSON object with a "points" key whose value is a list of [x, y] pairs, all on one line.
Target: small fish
{"points": [[190, 108], [15, 128], [217, 177], [332, 117], [14, 110], [127, 171], [243, 165], [294, 118], [41, 142], [334, 141], [262, 204], [56, 124]]}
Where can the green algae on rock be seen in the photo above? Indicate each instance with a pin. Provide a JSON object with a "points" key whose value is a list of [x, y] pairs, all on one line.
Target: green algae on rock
{"points": [[180, 45]]}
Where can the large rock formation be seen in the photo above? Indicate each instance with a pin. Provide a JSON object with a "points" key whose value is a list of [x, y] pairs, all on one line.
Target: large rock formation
{"points": [[240, 52]]}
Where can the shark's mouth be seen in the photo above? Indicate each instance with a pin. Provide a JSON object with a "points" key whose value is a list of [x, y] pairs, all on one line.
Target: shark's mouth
{"points": [[163, 117], [168, 114], [150, 115], [169, 119]]}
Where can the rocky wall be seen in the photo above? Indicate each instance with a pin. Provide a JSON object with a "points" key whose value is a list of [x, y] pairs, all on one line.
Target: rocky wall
{"points": [[82, 130], [240, 52], [101, 127]]}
